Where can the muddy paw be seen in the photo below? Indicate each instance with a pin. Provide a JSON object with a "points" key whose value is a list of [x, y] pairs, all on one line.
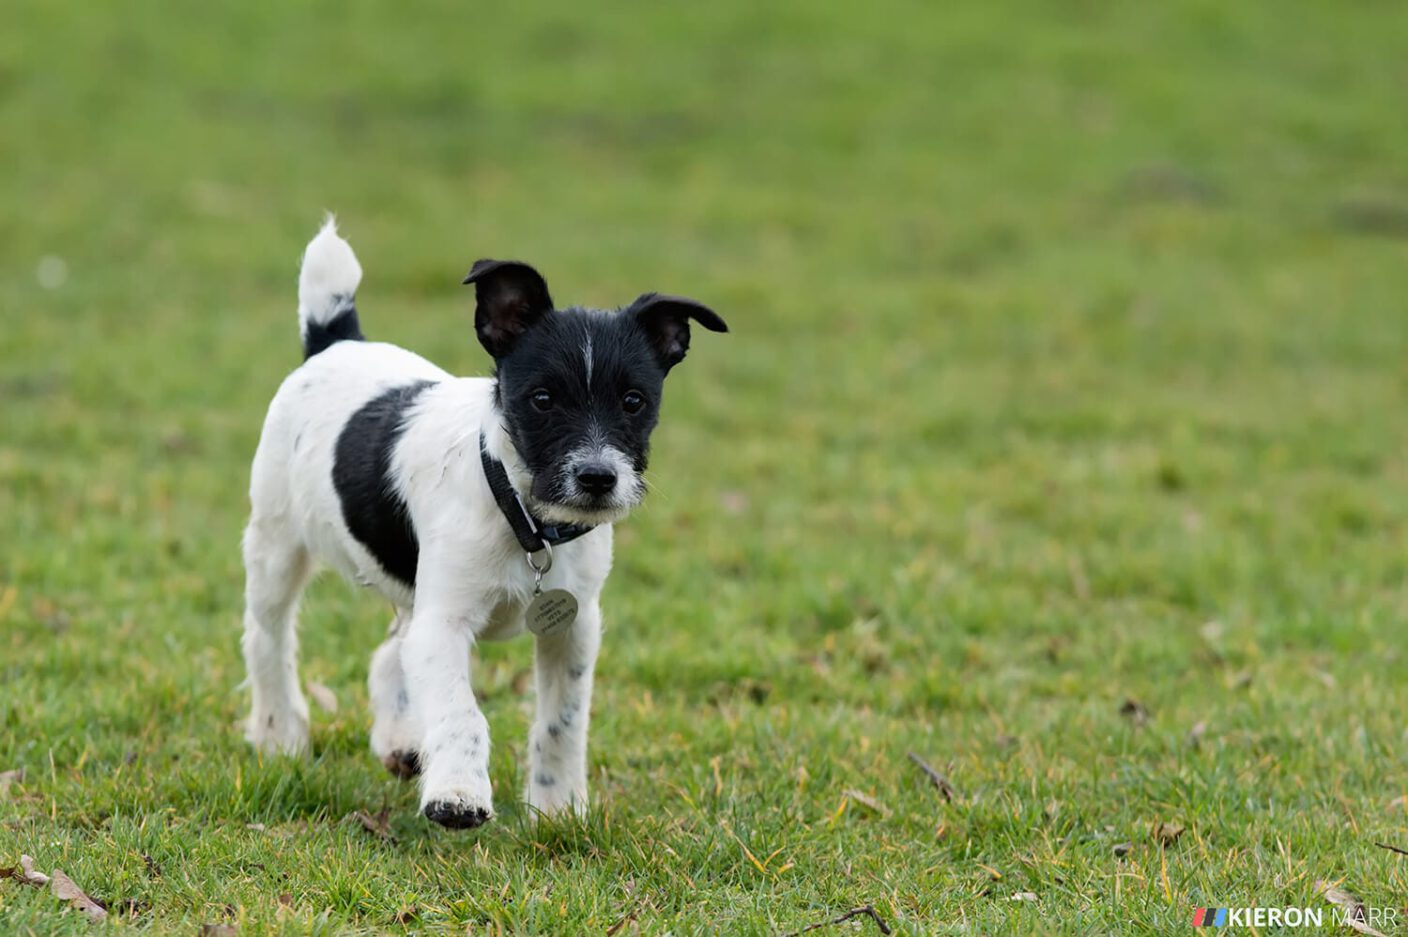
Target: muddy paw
{"points": [[457, 816]]}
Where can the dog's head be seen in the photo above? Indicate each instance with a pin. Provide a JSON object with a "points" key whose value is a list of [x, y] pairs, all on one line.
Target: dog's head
{"points": [[579, 389]]}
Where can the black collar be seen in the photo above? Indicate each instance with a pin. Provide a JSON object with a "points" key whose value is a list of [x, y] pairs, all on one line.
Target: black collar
{"points": [[531, 532]]}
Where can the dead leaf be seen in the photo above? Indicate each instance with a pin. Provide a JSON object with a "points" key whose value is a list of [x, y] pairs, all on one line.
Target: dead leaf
{"points": [[1353, 907], [1166, 834], [65, 889], [1135, 711], [325, 698], [379, 825], [10, 777], [27, 873], [1195, 734], [938, 780], [1123, 849], [1023, 896], [256, 827], [218, 930], [866, 801]]}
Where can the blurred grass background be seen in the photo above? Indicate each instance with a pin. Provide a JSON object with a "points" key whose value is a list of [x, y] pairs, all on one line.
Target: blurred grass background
{"points": [[1059, 439]]}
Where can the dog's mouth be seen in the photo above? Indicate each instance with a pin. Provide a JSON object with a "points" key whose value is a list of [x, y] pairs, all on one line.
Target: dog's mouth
{"points": [[592, 485], [561, 507]]}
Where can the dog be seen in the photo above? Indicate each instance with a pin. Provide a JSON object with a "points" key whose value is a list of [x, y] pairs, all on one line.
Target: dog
{"points": [[477, 507]]}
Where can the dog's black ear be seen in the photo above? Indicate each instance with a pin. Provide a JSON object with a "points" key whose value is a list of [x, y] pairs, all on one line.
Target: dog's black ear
{"points": [[509, 297], [665, 320]]}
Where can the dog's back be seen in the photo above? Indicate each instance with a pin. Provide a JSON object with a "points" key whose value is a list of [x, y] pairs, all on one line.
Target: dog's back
{"points": [[296, 473]]}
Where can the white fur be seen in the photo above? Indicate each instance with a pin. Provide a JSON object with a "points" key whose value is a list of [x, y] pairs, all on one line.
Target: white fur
{"points": [[472, 581], [328, 278]]}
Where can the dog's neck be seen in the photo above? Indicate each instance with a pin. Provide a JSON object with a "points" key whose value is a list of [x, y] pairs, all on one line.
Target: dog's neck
{"points": [[500, 445]]}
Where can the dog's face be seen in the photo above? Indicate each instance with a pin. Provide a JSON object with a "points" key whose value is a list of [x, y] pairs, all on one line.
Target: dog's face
{"points": [[580, 389]]}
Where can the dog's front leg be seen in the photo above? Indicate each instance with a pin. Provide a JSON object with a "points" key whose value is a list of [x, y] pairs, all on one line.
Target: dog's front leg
{"points": [[454, 750], [557, 775]]}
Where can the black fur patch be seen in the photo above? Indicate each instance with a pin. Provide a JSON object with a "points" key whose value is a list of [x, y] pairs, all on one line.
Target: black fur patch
{"points": [[361, 472], [552, 356], [342, 327]]}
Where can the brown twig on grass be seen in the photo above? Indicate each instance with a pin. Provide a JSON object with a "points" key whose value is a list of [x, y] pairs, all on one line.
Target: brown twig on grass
{"points": [[938, 780], [854, 912], [1391, 848]]}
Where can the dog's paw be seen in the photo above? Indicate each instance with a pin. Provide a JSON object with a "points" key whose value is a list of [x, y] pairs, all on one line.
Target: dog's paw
{"points": [[285, 734], [403, 763], [546, 808], [457, 814]]}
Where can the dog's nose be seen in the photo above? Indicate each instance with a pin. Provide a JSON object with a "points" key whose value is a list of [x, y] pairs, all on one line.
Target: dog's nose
{"points": [[596, 479]]}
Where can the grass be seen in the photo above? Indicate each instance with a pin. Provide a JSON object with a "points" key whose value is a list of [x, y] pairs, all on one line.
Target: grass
{"points": [[1066, 370]]}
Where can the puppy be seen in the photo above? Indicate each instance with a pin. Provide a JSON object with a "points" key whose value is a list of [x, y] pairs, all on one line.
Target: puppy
{"points": [[476, 506]]}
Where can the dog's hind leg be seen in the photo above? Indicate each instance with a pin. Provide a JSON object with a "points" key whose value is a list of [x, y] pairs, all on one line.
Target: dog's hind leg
{"points": [[276, 570], [396, 732]]}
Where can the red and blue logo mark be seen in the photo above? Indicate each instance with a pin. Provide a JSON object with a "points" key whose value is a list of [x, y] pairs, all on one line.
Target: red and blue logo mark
{"points": [[1210, 917]]}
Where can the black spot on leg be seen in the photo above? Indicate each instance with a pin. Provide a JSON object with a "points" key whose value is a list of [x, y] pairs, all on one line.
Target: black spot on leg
{"points": [[554, 730], [270, 723], [576, 673], [403, 700], [544, 780]]}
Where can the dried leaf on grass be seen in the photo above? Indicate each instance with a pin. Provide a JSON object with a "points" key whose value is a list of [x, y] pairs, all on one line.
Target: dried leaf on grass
{"points": [[10, 777], [324, 697], [866, 801], [1195, 734], [218, 930], [1135, 711], [865, 910], [65, 889], [1353, 908], [379, 825], [25, 873], [1166, 834], [938, 780]]}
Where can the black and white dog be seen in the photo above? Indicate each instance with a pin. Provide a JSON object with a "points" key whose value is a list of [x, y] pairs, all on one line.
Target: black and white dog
{"points": [[476, 506]]}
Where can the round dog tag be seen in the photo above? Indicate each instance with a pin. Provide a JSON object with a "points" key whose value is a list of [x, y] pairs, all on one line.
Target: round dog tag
{"points": [[550, 612]]}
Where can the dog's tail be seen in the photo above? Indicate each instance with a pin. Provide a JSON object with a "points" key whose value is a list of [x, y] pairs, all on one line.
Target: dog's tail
{"points": [[327, 285]]}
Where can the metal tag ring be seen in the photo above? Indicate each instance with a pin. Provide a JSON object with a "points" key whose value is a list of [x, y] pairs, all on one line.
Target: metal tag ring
{"points": [[547, 560]]}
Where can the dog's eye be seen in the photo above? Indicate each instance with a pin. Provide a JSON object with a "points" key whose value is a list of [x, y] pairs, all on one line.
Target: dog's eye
{"points": [[541, 400], [634, 401]]}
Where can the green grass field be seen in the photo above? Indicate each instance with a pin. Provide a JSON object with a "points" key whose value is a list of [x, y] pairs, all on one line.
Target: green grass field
{"points": [[1059, 439]]}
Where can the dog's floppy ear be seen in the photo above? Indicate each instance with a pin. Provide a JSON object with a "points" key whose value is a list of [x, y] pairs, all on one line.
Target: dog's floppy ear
{"points": [[665, 320], [509, 297]]}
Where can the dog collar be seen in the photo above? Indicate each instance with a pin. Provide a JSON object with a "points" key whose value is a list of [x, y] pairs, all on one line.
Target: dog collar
{"points": [[533, 535]]}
